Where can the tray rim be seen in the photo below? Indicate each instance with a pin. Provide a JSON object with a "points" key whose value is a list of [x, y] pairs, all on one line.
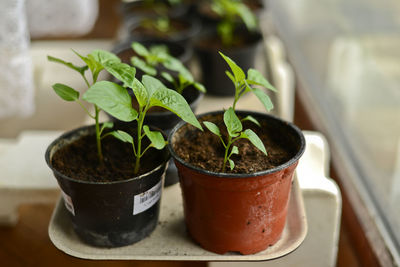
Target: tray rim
{"points": [[295, 196]]}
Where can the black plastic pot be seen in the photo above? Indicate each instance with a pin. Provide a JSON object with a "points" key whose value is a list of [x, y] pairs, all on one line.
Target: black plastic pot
{"points": [[185, 30], [138, 9], [110, 214], [213, 66]]}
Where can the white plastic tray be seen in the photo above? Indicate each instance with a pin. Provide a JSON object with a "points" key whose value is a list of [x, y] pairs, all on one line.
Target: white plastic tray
{"points": [[170, 241]]}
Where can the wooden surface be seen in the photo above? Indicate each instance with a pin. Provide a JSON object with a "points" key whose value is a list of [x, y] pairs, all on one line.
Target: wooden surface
{"points": [[28, 244]]}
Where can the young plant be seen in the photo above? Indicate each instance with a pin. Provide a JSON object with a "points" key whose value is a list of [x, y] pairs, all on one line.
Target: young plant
{"points": [[232, 12], [150, 92], [159, 55], [92, 62], [232, 122]]}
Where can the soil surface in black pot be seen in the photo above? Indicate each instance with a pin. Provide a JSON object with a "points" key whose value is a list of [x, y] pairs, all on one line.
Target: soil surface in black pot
{"points": [[204, 149], [213, 42], [79, 160]]}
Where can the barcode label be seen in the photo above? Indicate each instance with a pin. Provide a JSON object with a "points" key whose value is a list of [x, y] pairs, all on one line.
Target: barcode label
{"points": [[68, 202], [147, 199]]}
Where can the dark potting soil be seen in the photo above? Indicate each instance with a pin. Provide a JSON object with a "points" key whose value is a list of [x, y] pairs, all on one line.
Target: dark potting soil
{"points": [[204, 149], [79, 160]]}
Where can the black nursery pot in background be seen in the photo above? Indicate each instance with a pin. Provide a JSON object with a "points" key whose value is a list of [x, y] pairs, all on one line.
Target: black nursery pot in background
{"points": [[110, 214], [213, 67]]}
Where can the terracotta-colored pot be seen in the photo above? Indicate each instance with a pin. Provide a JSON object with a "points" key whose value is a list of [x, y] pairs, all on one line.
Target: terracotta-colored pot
{"points": [[243, 213]]}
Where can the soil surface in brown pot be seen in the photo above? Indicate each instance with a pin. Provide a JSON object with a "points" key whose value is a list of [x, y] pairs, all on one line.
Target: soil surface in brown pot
{"points": [[204, 149], [79, 160]]}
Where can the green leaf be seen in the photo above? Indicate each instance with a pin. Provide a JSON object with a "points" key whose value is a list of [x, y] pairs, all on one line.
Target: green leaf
{"points": [[103, 56], [66, 92], [230, 76], [138, 63], [81, 70], [247, 16], [212, 127], [232, 122], [255, 77], [113, 99], [140, 93], [152, 85], [231, 164], [122, 136], [106, 125], [121, 71], [254, 139], [252, 119], [94, 66], [200, 87], [174, 102], [235, 150], [167, 76], [264, 98], [236, 70], [140, 49], [156, 138]]}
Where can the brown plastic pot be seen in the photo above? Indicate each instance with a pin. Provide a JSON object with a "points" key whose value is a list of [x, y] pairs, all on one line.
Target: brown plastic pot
{"points": [[242, 213]]}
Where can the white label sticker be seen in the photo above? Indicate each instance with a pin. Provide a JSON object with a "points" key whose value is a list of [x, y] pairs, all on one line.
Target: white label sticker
{"points": [[147, 199], [68, 202]]}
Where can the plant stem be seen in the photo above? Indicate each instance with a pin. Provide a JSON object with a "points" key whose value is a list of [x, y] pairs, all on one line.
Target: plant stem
{"points": [[98, 139], [226, 153], [139, 141]]}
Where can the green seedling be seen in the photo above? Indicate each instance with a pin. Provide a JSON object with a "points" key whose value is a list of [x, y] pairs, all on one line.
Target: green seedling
{"points": [[92, 62], [232, 13], [232, 122], [115, 100], [158, 55]]}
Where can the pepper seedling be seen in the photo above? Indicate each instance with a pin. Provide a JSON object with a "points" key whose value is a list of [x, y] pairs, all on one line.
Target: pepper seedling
{"points": [[92, 62], [150, 92], [159, 55], [231, 13], [232, 122]]}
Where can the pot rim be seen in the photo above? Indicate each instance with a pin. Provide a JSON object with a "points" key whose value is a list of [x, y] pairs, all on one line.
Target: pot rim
{"points": [[66, 135], [292, 161]]}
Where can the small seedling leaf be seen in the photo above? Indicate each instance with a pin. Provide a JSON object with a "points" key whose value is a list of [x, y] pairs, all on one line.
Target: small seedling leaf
{"points": [[232, 122], [94, 66], [231, 164], [103, 56], [254, 139], [156, 138], [236, 70], [230, 76], [140, 49], [167, 76], [200, 87], [66, 92], [113, 99], [247, 16], [140, 93], [81, 70], [122, 136], [106, 125], [264, 98], [140, 64], [252, 119], [235, 150], [212, 127], [256, 78]]}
